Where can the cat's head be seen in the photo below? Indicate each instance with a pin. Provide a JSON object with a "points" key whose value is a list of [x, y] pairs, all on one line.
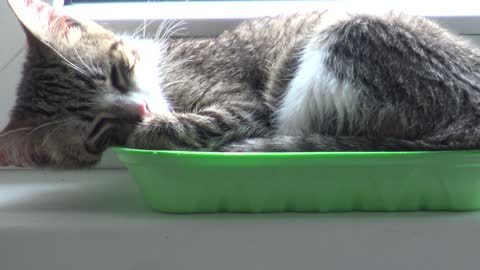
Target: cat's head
{"points": [[83, 89]]}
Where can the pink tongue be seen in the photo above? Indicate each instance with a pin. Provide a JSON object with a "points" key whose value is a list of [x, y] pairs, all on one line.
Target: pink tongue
{"points": [[142, 109]]}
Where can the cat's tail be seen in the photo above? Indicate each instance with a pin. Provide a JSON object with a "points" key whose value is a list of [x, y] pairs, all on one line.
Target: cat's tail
{"points": [[321, 143]]}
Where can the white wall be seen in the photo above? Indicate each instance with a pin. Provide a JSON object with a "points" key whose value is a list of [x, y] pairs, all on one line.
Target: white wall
{"points": [[12, 40]]}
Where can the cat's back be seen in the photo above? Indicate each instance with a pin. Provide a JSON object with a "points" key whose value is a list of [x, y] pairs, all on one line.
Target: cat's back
{"points": [[246, 57]]}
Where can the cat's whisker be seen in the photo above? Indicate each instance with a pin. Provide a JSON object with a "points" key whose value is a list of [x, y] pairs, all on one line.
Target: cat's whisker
{"points": [[138, 29], [93, 67], [167, 28], [68, 62], [174, 82], [83, 62], [178, 23], [166, 63], [162, 28], [175, 32], [142, 28], [144, 24], [77, 68], [9, 148], [13, 131], [172, 29], [178, 27], [45, 125], [54, 130]]}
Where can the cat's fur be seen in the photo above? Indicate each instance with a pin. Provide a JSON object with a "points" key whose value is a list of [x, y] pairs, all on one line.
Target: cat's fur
{"points": [[288, 83]]}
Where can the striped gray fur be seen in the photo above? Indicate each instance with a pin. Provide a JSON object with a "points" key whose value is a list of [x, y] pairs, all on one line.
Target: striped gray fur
{"points": [[286, 83]]}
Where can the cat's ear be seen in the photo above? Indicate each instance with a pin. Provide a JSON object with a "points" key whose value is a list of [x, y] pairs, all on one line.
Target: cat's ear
{"points": [[45, 23]]}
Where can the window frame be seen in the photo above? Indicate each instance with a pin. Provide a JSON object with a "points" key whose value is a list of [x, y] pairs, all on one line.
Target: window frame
{"points": [[211, 18]]}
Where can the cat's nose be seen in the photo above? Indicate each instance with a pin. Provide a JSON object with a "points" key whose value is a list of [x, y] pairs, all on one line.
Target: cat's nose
{"points": [[142, 109]]}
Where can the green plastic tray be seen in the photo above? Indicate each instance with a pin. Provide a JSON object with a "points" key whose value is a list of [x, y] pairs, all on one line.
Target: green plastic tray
{"points": [[189, 182]]}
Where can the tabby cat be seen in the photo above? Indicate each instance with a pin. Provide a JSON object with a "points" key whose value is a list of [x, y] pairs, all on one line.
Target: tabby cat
{"points": [[305, 82]]}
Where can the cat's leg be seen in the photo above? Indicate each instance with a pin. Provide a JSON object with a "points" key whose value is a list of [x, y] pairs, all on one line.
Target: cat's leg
{"points": [[206, 129]]}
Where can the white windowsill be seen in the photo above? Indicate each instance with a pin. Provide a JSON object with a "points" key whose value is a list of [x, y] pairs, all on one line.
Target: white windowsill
{"points": [[97, 220], [211, 18]]}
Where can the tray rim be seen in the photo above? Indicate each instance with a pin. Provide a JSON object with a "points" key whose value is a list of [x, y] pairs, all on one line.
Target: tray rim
{"points": [[293, 154]]}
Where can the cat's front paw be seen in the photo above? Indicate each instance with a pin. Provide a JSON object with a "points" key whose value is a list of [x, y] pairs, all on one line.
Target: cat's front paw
{"points": [[151, 133]]}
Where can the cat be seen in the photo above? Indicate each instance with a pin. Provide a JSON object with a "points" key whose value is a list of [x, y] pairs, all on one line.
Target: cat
{"points": [[303, 82]]}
